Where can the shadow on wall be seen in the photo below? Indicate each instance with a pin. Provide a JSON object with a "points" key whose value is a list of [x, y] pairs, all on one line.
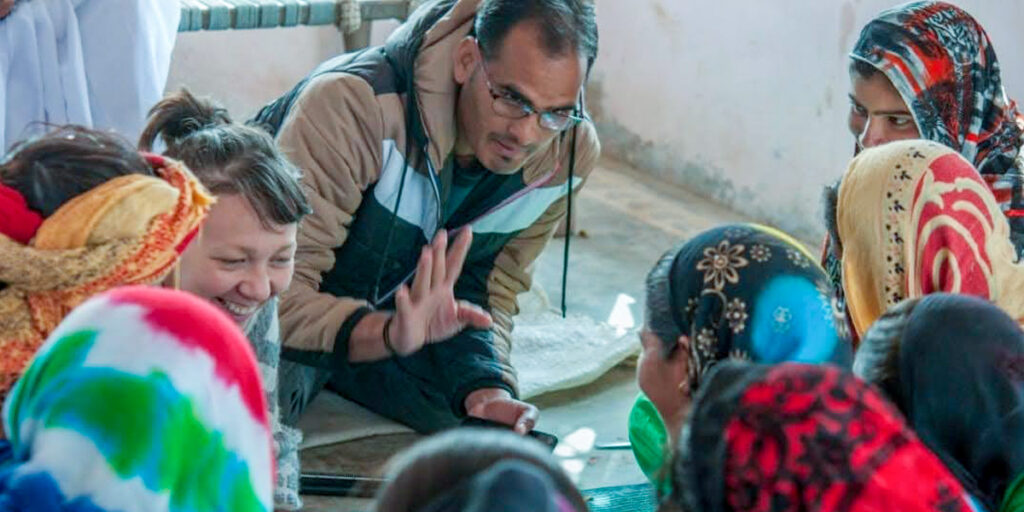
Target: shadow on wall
{"points": [[703, 178]]}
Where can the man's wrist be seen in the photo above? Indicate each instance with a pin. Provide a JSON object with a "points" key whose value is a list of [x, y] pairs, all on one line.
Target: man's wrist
{"points": [[367, 340]]}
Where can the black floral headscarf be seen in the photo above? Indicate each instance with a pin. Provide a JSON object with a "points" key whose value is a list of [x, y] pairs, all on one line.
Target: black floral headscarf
{"points": [[746, 291]]}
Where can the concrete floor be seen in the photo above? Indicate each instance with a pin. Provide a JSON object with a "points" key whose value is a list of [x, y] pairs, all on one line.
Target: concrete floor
{"points": [[627, 221]]}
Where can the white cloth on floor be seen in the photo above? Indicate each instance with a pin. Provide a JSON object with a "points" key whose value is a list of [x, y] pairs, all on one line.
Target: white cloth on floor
{"points": [[97, 63], [549, 353]]}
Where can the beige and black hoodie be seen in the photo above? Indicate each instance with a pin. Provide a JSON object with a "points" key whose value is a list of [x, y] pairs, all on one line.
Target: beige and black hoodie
{"points": [[351, 127]]}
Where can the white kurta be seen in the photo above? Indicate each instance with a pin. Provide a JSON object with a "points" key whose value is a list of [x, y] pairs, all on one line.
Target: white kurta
{"points": [[98, 63]]}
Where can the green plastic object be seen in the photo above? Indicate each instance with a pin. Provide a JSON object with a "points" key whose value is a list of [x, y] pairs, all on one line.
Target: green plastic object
{"points": [[649, 438], [1014, 499]]}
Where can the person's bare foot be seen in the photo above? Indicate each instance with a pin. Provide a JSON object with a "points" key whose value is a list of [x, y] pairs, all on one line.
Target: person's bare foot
{"points": [[5, 8]]}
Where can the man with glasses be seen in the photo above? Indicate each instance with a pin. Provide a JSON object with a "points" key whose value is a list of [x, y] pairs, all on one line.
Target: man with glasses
{"points": [[467, 124]]}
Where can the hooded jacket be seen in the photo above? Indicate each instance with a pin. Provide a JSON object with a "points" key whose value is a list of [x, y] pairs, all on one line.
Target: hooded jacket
{"points": [[358, 126]]}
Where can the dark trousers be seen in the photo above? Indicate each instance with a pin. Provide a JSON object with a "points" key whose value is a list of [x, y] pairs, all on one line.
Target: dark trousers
{"points": [[402, 389]]}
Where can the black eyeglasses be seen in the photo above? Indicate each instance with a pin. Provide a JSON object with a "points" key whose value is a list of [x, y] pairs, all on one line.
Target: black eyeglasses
{"points": [[508, 106]]}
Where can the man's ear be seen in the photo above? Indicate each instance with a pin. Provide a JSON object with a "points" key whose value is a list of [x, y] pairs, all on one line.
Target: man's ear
{"points": [[465, 59]]}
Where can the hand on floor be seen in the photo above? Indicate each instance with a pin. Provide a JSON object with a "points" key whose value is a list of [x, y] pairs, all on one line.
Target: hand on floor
{"points": [[497, 404], [428, 312]]}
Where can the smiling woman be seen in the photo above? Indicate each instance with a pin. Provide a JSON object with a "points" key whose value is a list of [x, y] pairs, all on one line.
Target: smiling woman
{"points": [[243, 256]]}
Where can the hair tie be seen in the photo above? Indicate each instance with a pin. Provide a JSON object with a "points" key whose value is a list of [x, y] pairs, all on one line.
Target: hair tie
{"points": [[17, 220]]}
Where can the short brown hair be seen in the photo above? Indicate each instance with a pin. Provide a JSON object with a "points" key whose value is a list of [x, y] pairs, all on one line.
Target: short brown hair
{"points": [[228, 158]]}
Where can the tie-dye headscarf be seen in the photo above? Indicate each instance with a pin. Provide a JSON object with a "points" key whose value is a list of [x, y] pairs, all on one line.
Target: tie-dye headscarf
{"points": [[942, 63], [804, 438], [915, 218], [143, 399]]}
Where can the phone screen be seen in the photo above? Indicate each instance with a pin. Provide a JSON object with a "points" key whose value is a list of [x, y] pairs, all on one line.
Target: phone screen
{"points": [[546, 439]]}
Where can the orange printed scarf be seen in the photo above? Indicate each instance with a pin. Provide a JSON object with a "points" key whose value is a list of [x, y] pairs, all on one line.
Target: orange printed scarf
{"points": [[127, 231]]}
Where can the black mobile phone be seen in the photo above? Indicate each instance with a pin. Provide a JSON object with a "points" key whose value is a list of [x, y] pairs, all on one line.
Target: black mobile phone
{"points": [[327, 484], [546, 439]]}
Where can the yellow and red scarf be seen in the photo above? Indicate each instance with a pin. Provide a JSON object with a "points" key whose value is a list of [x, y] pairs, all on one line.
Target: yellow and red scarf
{"points": [[915, 218]]}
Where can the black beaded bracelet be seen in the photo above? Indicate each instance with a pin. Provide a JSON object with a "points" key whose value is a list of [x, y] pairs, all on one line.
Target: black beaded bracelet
{"points": [[387, 337]]}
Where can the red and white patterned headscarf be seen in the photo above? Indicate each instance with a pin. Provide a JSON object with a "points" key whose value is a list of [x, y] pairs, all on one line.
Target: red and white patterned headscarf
{"points": [[943, 64]]}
